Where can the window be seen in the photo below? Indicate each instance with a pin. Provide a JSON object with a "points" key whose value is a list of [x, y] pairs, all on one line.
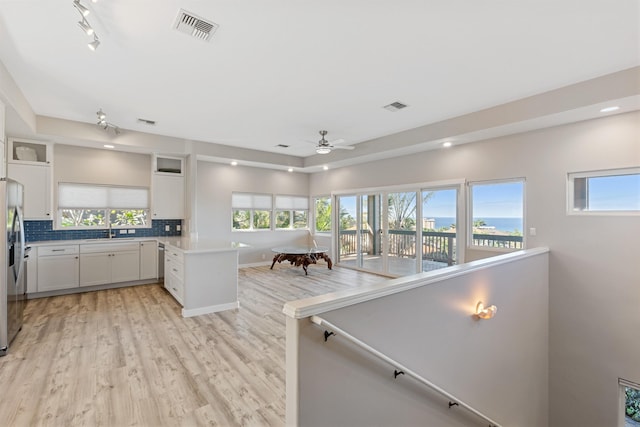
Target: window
{"points": [[322, 214], [602, 192], [83, 206], [497, 214], [251, 211], [291, 212]]}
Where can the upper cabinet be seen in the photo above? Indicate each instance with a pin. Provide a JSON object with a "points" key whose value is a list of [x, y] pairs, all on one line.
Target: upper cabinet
{"points": [[168, 165], [2, 130], [168, 188], [26, 151], [30, 163]]}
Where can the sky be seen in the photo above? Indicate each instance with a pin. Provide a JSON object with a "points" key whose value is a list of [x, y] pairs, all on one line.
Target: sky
{"points": [[621, 192]]}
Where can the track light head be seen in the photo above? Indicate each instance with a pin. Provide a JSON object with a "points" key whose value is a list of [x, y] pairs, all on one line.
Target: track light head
{"points": [[101, 115], [83, 10], [85, 26], [95, 43]]}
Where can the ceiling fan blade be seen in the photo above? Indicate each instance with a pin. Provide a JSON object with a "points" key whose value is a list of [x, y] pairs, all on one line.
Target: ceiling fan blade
{"points": [[342, 147]]}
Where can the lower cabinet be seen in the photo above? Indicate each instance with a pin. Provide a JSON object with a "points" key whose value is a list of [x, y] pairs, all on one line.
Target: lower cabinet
{"points": [[68, 266], [148, 260], [58, 267], [109, 263], [174, 273]]}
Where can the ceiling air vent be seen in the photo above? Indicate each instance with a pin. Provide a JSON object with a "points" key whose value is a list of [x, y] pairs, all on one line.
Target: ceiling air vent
{"points": [[282, 146], [147, 122], [189, 23], [395, 106]]}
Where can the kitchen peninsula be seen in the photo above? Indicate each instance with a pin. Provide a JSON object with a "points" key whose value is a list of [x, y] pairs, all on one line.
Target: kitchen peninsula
{"points": [[202, 275]]}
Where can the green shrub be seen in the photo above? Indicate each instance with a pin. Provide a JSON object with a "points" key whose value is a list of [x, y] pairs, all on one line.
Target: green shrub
{"points": [[632, 407]]}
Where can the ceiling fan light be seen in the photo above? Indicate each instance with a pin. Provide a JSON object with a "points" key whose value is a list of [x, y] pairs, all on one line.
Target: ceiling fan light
{"points": [[323, 150]]}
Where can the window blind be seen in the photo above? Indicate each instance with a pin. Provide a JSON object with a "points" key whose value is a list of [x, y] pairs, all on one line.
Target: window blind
{"points": [[90, 196], [292, 202], [251, 201]]}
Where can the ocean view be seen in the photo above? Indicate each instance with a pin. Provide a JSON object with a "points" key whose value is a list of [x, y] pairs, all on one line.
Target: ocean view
{"points": [[501, 224]]}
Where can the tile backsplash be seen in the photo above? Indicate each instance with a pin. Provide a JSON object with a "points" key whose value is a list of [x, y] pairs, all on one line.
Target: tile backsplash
{"points": [[36, 231]]}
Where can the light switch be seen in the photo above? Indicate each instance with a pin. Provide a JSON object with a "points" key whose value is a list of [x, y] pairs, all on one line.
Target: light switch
{"points": [[178, 228], [532, 231], [132, 231]]}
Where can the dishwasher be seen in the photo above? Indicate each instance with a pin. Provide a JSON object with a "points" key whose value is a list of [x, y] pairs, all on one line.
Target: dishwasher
{"points": [[160, 262]]}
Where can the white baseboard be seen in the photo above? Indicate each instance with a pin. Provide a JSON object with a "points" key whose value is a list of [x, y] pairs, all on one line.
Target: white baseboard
{"points": [[209, 309], [255, 264]]}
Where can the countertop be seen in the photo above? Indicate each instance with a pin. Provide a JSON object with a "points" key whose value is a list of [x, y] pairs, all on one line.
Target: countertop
{"points": [[188, 245], [184, 244]]}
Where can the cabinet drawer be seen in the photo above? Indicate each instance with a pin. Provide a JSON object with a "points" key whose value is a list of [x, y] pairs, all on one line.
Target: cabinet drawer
{"points": [[175, 268], [175, 255], [93, 248], [176, 288], [57, 250]]}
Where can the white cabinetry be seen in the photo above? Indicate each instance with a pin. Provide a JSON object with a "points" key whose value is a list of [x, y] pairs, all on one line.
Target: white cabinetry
{"points": [[168, 188], [103, 263], [29, 162], [37, 189], [57, 267], [2, 114], [3, 171], [148, 260], [174, 273]]}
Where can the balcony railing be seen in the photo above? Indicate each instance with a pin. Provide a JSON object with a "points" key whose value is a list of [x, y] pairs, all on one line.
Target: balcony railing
{"points": [[436, 246]]}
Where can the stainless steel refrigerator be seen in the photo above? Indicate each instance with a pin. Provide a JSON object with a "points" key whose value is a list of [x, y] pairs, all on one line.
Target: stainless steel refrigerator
{"points": [[12, 262]]}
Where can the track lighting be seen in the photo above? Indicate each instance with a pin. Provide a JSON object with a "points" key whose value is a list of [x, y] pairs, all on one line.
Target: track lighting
{"points": [[104, 124], [84, 24]]}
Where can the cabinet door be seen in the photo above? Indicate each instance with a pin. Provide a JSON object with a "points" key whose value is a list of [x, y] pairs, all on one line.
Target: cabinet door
{"points": [[148, 260], [95, 269], [168, 197], [57, 272], [125, 266], [37, 189]]}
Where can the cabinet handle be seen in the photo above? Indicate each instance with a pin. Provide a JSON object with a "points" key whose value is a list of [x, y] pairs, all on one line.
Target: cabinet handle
{"points": [[58, 250]]}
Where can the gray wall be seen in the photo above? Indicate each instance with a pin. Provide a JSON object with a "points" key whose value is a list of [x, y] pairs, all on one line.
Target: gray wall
{"points": [[497, 366], [594, 271], [94, 166], [216, 182]]}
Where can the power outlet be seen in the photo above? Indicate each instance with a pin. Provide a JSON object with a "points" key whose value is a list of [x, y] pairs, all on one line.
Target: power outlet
{"points": [[132, 231], [167, 228], [178, 228], [123, 231]]}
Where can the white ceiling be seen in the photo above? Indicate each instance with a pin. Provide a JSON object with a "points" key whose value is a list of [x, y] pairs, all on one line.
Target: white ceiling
{"points": [[277, 72]]}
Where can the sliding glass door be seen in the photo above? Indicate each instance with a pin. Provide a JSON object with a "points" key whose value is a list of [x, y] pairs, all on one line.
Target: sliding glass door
{"points": [[398, 233]]}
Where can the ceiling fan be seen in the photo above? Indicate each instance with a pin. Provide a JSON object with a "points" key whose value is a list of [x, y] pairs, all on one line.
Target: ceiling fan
{"points": [[325, 147]]}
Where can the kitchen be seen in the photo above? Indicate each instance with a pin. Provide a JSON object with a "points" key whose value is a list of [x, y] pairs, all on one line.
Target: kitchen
{"points": [[72, 257]]}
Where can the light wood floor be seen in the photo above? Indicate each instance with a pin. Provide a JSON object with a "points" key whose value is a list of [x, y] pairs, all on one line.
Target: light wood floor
{"points": [[126, 357]]}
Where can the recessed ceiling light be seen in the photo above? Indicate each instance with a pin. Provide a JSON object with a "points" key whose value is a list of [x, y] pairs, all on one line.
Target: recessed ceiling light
{"points": [[290, 170], [234, 163], [447, 144], [609, 109], [325, 167], [108, 146]]}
